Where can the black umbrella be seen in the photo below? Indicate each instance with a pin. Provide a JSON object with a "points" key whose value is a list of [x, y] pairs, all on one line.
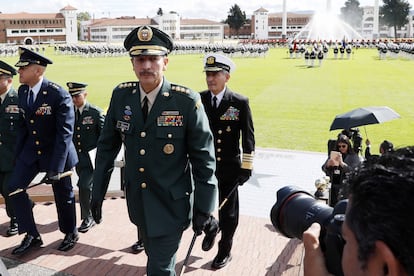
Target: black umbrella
{"points": [[364, 116]]}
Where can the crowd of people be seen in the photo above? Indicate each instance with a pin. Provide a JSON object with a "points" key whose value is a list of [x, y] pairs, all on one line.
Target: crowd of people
{"points": [[185, 152]]}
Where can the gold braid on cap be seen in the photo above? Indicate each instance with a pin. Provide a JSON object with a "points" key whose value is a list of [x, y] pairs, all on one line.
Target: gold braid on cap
{"points": [[5, 71], [76, 89], [150, 49]]}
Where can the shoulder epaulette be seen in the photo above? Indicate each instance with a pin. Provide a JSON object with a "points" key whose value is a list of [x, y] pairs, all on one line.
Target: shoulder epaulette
{"points": [[54, 85], [179, 88], [127, 84]]}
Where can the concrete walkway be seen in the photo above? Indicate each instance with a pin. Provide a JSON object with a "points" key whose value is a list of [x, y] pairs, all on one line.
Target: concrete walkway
{"points": [[105, 249]]}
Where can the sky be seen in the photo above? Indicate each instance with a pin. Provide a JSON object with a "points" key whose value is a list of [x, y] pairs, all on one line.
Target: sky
{"points": [[216, 10]]}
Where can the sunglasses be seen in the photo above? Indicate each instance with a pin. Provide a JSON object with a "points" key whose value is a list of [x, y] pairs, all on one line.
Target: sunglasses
{"points": [[342, 146]]}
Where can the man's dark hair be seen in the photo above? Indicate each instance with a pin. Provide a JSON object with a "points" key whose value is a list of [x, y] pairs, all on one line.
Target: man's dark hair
{"points": [[381, 206]]}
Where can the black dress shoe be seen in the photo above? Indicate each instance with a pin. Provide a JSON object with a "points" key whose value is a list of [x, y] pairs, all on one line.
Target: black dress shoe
{"points": [[28, 242], [211, 230], [69, 241], [221, 260], [13, 228], [87, 224], [138, 246]]}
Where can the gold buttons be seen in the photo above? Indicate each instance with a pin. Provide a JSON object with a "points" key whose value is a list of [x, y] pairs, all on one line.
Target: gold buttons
{"points": [[218, 141], [169, 135], [143, 185], [141, 170], [220, 131], [143, 134], [39, 152], [142, 152], [37, 143], [218, 158], [34, 132], [218, 149], [32, 121]]}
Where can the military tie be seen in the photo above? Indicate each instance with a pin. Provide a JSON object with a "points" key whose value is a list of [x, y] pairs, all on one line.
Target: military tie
{"points": [[215, 102], [145, 108], [78, 114], [30, 100]]}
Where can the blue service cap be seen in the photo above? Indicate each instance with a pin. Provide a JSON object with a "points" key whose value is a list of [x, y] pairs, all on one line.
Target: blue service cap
{"points": [[27, 57]]}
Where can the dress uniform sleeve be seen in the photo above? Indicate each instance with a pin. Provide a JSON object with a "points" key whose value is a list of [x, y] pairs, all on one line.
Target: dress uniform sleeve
{"points": [[109, 144], [201, 154], [65, 121], [101, 118], [248, 141]]}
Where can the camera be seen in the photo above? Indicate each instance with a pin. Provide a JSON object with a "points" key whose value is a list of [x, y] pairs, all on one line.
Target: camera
{"points": [[295, 210], [355, 136]]}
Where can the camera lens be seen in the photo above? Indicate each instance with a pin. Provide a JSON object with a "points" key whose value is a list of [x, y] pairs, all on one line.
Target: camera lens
{"points": [[295, 210]]}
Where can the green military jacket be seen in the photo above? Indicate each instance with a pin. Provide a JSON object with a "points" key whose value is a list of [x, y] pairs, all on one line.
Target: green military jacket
{"points": [[170, 161], [9, 120], [87, 129]]}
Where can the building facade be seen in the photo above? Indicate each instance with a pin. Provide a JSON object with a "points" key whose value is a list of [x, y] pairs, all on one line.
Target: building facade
{"points": [[115, 30], [39, 28]]}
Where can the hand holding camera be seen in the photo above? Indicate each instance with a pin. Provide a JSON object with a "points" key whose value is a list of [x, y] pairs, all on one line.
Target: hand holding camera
{"points": [[296, 210]]}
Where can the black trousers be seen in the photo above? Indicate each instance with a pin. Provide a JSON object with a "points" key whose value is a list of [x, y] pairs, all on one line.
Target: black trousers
{"points": [[228, 214]]}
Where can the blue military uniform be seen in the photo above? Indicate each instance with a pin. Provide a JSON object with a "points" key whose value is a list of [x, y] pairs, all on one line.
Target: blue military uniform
{"points": [[229, 121], [9, 121], [44, 144], [88, 127], [169, 157]]}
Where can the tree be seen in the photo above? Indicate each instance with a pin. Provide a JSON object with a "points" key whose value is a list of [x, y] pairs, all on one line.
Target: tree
{"points": [[160, 12], [394, 13], [352, 13], [236, 18]]}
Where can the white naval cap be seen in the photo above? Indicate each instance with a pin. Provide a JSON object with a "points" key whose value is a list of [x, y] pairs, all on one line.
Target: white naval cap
{"points": [[217, 62]]}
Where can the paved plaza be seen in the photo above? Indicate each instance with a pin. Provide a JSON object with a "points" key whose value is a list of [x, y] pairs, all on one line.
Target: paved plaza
{"points": [[105, 249]]}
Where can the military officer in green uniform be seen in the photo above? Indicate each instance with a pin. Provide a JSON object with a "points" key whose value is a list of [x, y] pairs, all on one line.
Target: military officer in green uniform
{"points": [[169, 152], [9, 118], [89, 120]]}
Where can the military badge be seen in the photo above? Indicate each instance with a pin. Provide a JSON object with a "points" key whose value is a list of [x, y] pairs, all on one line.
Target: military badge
{"points": [[43, 110], [168, 148], [12, 108], [88, 120], [122, 126], [144, 33], [231, 114], [170, 120]]}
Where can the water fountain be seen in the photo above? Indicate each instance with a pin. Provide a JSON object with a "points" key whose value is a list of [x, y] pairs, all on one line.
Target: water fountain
{"points": [[325, 25]]}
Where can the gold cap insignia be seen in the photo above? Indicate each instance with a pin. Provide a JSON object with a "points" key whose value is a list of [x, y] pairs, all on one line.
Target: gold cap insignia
{"points": [[145, 33], [211, 60]]}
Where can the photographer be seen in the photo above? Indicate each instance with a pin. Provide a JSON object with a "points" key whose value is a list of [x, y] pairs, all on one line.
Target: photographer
{"points": [[385, 147], [341, 161], [377, 229]]}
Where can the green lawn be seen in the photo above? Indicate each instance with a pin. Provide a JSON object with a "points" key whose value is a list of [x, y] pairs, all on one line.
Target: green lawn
{"points": [[293, 105]]}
